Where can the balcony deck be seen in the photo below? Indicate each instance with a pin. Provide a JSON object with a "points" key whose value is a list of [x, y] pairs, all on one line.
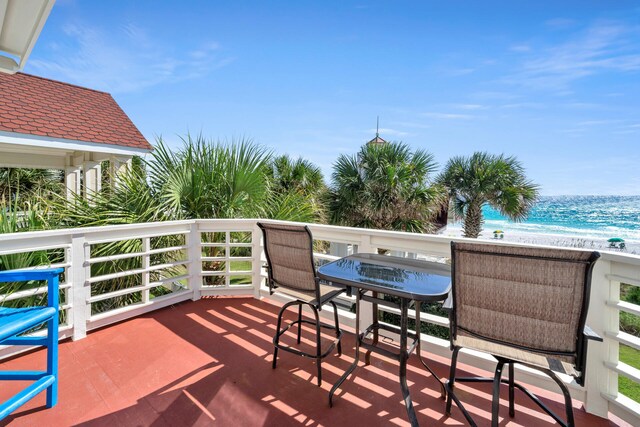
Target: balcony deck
{"points": [[209, 362]]}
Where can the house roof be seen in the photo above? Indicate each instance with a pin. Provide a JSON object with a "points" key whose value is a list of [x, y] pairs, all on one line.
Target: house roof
{"points": [[377, 140], [47, 108]]}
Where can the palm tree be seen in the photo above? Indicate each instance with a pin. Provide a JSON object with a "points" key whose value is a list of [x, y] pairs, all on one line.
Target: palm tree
{"points": [[19, 184], [207, 179], [384, 186], [201, 179], [483, 179], [297, 181], [297, 175]]}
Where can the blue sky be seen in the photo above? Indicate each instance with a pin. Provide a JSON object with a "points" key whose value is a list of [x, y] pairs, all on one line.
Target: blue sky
{"points": [[555, 83]]}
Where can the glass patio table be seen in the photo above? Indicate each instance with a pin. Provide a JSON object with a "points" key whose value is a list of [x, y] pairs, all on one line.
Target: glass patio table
{"points": [[409, 280]]}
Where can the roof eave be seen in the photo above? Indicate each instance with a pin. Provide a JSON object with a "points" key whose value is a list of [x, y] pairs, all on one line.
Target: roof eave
{"points": [[19, 36], [70, 144]]}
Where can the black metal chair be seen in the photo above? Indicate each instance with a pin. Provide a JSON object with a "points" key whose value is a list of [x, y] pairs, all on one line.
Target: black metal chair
{"points": [[291, 271], [521, 305]]}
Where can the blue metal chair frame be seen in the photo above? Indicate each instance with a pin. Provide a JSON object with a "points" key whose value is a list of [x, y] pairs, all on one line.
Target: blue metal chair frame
{"points": [[16, 321]]}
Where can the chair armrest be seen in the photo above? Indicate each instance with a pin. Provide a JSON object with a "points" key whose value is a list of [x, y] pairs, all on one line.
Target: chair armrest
{"points": [[48, 274], [26, 275], [448, 303], [590, 334]]}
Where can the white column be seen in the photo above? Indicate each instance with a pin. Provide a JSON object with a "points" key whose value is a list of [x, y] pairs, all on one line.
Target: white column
{"points": [[72, 177], [72, 181], [92, 178], [117, 166]]}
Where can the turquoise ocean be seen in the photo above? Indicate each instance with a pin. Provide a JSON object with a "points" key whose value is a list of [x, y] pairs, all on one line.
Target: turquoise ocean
{"points": [[586, 217]]}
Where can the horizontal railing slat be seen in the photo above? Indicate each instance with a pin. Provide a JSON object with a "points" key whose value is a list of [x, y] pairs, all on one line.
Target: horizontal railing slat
{"points": [[623, 279], [135, 271], [134, 289], [625, 338], [626, 370], [625, 306]]}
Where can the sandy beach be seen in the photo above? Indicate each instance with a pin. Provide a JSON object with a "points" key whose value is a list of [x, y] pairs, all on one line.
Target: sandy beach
{"points": [[561, 240]]}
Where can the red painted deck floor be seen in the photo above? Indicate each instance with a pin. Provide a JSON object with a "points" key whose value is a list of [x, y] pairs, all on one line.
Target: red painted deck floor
{"points": [[209, 362]]}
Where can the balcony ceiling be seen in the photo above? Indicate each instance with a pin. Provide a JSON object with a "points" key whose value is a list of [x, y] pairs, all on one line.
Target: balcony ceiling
{"points": [[21, 22]]}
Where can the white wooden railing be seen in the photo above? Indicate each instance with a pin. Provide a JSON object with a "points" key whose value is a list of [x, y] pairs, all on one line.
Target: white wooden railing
{"points": [[161, 264]]}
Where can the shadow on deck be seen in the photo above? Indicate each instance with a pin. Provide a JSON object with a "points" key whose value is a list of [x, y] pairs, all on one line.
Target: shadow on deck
{"points": [[209, 362]]}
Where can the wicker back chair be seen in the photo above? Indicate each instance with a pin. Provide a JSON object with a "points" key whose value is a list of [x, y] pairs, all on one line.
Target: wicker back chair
{"points": [[291, 271], [522, 305]]}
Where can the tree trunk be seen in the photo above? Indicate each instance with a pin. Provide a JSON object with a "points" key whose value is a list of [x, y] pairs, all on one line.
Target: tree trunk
{"points": [[473, 220]]}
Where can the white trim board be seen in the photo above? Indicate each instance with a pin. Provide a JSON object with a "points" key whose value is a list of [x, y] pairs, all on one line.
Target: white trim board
{"points": [[67, 145]]}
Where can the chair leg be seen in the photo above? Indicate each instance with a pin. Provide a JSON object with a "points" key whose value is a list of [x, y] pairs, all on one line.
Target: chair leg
{"points": [[276, 339], [512, 409], [318, 344], [495, 402], [443, 390], [52, 361], [336, 318], [299, 322], [452, 379], [567, 396]]}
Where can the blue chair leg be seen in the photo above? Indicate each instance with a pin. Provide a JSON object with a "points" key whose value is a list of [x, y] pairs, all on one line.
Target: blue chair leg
{"points": [[16, 321], [52, 361]]}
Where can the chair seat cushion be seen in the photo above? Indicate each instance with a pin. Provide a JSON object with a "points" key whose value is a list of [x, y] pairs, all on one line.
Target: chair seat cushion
{"points": [[327, 293], [14, 321], [562, 364]]}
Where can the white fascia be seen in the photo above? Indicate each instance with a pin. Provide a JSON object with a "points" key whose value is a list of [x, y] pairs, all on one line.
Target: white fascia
{"points": [[68, 145]]}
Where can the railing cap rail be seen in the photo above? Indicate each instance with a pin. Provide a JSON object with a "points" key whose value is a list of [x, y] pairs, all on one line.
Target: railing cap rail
{"points": [[606, 255], [90, 230]]}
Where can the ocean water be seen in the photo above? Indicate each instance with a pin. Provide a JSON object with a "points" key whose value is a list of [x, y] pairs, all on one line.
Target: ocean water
{"points": [[588, 217]]}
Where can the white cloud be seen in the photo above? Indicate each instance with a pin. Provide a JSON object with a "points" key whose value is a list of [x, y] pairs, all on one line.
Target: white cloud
{"points": [[124, 60], [205, 51], [599, 122], [524, 105], [470, 106], [560, 23], [605, 47], [448, 116], [412, 125], [494, 95], [460, 71], [584, 105], [520, 48], [388, 132]]}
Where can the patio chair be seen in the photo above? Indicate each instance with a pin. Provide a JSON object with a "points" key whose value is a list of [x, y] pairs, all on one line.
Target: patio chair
{"points": [[521, 305], [14, 322], [291, 271]]}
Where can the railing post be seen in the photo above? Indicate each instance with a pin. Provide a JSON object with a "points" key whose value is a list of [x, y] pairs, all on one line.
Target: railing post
{"points": [[366, 308], [259, 258], [601, 318], [194, 253], [81, 289], [146, 263]]}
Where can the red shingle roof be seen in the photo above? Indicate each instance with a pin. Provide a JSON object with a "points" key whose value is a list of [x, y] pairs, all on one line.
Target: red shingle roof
{"points": [[38, 106]]}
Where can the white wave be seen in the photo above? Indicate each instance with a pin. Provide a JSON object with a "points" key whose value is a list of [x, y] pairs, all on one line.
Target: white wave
{"points": [[562, 231]]}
